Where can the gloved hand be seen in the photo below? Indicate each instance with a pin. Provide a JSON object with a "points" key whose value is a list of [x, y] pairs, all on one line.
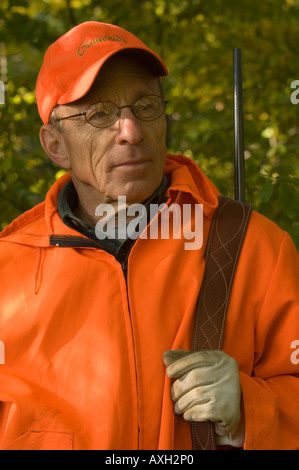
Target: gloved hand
{"points": [[207, 389]]}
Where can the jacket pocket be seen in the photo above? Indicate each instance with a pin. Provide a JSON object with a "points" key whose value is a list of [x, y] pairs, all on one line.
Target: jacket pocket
{"points": [[42, 440]]}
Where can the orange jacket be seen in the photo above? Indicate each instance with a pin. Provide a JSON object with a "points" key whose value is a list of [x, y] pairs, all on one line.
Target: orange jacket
{"points": [[83, 348]]}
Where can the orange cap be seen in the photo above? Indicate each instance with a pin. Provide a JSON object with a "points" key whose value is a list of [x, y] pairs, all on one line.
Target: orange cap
{"points": [[72, 62]]}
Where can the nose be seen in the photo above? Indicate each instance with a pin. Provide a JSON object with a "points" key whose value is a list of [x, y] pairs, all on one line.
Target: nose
{"points": [[130, 127]]}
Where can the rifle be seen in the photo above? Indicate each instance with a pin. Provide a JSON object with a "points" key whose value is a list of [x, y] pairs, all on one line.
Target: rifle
{"points": [[231, 217], [238, 127]]}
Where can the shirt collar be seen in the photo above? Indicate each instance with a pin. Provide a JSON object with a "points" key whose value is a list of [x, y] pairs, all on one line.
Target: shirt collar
{"points": [[68, 201]]}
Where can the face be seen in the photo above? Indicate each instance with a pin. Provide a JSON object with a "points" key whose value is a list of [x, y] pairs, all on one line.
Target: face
{"points": [[126, 159]]}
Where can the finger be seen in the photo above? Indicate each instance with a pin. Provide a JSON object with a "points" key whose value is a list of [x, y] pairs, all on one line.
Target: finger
{"points": [[200, 412], [215, 409], [198, 377], [173, 355], [209, 412], [194, 398], [180, 364]]}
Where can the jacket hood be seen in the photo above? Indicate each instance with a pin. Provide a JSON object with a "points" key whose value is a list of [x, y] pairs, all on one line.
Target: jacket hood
{"points": [[186, 176], [36, 226]]}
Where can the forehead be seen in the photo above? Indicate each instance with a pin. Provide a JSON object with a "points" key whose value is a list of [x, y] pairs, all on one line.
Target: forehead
{"points": [[122, 77]]}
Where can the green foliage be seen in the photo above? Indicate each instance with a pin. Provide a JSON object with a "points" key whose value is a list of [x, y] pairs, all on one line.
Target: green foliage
{"points": [[196, 39]]}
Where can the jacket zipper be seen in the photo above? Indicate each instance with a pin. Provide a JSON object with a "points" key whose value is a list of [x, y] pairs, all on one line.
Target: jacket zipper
{"points": [[73, 242], [122, 257]]}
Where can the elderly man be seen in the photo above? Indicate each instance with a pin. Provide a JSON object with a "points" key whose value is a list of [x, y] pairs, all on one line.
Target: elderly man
{"points": [[97, 329]]}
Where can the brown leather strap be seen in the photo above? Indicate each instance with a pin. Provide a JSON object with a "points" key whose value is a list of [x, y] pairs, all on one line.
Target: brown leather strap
{"points": [[226, 235]]}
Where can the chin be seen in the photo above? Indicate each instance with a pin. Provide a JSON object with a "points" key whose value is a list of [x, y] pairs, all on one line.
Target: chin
{"points": [[134, 197]]}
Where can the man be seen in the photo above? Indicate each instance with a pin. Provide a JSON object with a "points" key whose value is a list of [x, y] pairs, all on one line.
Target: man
{"points": [[97, 328]]}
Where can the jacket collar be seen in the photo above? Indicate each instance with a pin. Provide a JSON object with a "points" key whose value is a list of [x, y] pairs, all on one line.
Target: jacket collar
{"points": [[36, 226], [187, 177]]}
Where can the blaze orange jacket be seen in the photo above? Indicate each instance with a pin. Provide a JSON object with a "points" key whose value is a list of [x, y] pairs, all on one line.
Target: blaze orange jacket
{"points": [[83, 364]]}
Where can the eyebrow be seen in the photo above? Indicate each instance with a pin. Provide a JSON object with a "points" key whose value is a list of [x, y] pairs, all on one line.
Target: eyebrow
{"points": [[143, 89]]}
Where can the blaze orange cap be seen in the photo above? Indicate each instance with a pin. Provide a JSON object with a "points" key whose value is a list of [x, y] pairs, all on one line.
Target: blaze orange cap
{"points": [[73, 61]]}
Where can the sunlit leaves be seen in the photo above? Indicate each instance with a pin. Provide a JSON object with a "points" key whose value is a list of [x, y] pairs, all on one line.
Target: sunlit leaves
{"points": [[196, 39]]}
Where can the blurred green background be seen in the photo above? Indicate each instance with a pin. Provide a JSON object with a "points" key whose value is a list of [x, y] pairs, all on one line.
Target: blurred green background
{"points": [[196, 39]]}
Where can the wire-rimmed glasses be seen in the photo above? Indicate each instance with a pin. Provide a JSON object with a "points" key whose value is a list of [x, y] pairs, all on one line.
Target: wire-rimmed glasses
{"points": [[105, 113]]}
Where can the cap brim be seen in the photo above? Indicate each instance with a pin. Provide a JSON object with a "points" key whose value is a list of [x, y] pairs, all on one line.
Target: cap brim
{"points": [[84, 82]]}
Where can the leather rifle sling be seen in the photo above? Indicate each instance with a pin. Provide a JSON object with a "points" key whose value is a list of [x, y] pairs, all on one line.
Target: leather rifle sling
{"points": [[226, 235]]}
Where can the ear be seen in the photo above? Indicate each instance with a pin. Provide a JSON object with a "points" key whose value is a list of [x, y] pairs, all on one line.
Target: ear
{"points": [[54, 146]]}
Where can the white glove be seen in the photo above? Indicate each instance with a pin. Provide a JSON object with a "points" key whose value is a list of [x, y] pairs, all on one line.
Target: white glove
{"points": [[207, 389]]}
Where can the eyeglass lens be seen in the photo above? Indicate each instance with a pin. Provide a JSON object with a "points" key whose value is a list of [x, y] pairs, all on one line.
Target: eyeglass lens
{"points": [[146, 108]]}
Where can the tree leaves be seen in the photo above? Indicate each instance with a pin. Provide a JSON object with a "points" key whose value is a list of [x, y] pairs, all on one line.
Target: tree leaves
{"points": [[196, 40]]}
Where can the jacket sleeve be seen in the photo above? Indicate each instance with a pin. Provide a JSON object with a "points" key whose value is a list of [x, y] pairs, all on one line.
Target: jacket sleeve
{"points": [[271, 393]]}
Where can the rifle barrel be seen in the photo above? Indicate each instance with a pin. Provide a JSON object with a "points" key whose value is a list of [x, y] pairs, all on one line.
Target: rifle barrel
{"points": [[238, 126]]}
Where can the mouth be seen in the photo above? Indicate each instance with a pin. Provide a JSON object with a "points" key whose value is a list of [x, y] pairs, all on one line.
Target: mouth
{"points": [[132, 164]]}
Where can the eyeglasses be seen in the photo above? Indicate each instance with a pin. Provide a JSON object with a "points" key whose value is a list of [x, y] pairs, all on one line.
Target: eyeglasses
{"points": [[105, 113]]}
